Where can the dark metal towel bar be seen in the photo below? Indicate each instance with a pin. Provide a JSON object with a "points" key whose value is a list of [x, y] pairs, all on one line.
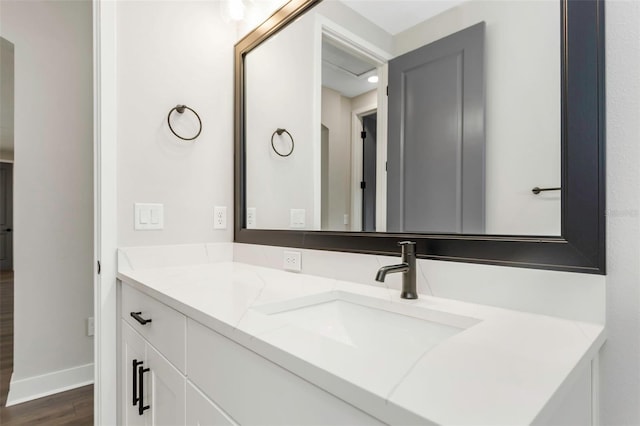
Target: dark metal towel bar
{"points": [[537, 190]]}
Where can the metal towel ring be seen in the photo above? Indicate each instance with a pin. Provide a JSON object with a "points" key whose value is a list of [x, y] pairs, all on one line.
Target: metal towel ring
{"points": [[280, 132], [180, 109]]}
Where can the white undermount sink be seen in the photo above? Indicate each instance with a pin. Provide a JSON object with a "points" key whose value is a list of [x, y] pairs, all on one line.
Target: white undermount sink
{"points": [[366, 323]]}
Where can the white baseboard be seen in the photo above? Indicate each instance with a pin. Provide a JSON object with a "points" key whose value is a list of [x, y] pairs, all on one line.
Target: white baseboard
{"points": [[30, 388]]}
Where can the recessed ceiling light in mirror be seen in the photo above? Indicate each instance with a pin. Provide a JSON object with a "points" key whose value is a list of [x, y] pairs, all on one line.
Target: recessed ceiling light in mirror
{"points": [[373, 79], [345, 69]]}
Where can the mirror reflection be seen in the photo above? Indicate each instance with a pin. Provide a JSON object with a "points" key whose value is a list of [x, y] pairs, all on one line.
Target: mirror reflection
{"points": [[469, 125]]}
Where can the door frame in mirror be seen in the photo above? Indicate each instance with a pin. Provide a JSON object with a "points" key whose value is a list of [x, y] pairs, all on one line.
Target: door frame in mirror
{"points": [[581, 246]]}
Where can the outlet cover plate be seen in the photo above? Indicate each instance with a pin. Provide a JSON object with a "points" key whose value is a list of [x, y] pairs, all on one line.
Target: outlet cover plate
{"points": [[292, 261], [90, 326], [251, 217], [220, 217]]}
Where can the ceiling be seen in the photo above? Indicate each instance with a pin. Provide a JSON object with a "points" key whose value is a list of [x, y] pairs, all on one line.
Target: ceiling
{"points": [[346, 71], [396, 16]]}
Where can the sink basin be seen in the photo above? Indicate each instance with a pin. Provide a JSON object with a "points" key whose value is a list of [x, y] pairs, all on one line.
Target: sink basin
{"points": [[368, 323]]}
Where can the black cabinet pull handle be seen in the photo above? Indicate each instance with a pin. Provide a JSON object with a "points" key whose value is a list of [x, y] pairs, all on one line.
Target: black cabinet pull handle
{"points": [[138, 318], [134, 380], [141, 406]]}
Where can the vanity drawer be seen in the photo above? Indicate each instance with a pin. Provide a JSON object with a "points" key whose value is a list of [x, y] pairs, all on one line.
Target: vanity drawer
{"points": [[255, 391], [167, 329]]}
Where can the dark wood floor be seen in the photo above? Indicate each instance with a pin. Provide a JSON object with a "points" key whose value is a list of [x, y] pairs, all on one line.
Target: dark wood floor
{"points": [[74, 407], [6, 333]]}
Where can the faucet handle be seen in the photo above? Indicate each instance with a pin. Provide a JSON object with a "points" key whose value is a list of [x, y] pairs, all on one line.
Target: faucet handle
{"points": [[407, 246], [406, 243]]}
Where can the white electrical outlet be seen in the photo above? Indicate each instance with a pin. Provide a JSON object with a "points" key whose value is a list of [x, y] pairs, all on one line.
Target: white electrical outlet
{"points": [[251, 217], [90, 326], [220, 217], [292, 261]]}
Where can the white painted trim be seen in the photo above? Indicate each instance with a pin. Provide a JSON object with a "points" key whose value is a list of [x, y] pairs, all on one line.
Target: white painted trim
{"points": [[381, 146], [105, 202], [31, 388], [356, 164], [342, 35], [595, 390], [316, 110]]}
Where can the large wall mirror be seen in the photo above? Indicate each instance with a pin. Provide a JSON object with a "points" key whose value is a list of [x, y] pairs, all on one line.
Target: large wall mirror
{"points": [[472, 126]]}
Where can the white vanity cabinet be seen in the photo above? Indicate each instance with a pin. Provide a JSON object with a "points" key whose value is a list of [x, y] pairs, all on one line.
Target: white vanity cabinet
{"points": [[228, 345], [152, 362], [208, 379]]}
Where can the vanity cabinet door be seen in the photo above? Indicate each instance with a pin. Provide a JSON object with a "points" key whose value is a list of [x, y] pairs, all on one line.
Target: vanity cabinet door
{"points": [[133, 351], [202, 411], [167, 389], [153, 389]]}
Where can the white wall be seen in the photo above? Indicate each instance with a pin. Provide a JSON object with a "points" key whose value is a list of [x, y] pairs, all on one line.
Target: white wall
{"points": [[53, 193], [336, 116], [522, 74], [620, 357], [6, 100], [255, 13], [283, 97], [169, 53]]}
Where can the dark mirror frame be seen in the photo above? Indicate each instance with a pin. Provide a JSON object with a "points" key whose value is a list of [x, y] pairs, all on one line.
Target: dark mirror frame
{"points": [[580, 248]]}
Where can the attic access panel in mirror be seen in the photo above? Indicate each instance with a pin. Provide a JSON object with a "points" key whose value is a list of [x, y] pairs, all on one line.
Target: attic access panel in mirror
{"points": [[314, 78]]}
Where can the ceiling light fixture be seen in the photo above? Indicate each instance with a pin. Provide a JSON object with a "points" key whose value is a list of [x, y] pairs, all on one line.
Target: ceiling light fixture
{"points": [[373, 79], [236, 10]]}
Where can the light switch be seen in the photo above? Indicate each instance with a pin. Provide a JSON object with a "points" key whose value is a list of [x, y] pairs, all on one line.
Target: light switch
{"points": [[155, 216], [144, 216], [297, 218], [148, 216]]}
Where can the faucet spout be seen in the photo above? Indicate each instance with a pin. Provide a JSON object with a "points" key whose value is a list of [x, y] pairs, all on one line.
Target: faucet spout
{"points": [[382, 272], [408, 269]]}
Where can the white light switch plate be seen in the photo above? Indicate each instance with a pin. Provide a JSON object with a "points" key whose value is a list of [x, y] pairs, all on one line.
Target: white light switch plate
{"points": [[148, 216], [297, 218]]}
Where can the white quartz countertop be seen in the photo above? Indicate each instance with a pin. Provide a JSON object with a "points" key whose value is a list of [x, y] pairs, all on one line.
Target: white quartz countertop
{"points": [[503, 367]]}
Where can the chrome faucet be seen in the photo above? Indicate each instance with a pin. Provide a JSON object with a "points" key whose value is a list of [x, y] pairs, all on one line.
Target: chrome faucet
{"points": [[408, 269]]}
